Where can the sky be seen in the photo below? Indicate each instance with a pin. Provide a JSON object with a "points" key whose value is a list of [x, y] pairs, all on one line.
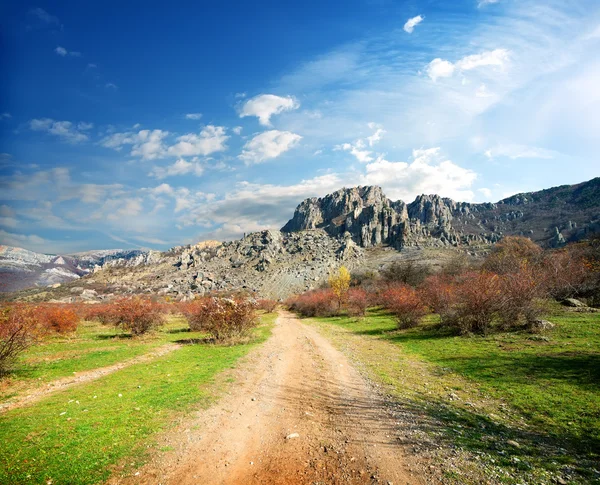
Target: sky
{"points": [[156, 124]]}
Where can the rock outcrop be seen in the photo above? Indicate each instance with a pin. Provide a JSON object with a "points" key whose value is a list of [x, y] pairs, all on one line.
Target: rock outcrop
{"points": [[551, 217]]}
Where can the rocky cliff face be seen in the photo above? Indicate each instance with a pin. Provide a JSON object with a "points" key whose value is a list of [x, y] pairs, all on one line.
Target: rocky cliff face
{"points": [[551, 217]]}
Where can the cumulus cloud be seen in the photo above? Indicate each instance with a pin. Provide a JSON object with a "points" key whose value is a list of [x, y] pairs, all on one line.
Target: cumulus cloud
{"points": [[442, 68], [485, 192], [237, 130], [151, 144], [264, 106], [193, 116], [268, 145], [410, 24], [210, 140], [483, 3], [428, 173], [61, 51], [65, 130], [180, 167]]}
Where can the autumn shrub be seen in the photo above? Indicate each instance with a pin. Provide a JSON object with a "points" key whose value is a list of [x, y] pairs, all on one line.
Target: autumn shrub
{"points": [[267, 305], [315, 303], [439, 293], [479, 296], [567, 272], [510, 253], [58, 318], [357, 302], [19, 328], [408, 272], [406, 305], [222, 318], [520, 294], [136, 315], [105, 313]]}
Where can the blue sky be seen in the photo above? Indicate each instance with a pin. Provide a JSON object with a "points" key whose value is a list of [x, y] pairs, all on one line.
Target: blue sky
{"points": [[153, 124]]}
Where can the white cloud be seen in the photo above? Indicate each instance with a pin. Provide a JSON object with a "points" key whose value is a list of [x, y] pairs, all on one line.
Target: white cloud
{"points": [[237, 130], [264, 106], [358, 148], [149, 144], [92, 66], [83, 126], [111, 86], [210, 140], [61, 51], [428, 173], [44, 16], [5, 116], [482, 3], [410, 24], [496, 57], [20, 240], [487, 193], [482, 92], [193, 116], [268, 145], [515, 151], [440, 68], [180, 167], [63, 129]]}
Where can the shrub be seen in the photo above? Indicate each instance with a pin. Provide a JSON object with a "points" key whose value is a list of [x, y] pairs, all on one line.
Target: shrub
{"points": [[315, 303], [567, 271], [439, 293], [510, 253], [58, 318], [267, 305], [104, 313], [18, 330], [479, 296], [358, 301], [519, 294], [136, 315], [406, 305], [221, 318], [408, 272]]}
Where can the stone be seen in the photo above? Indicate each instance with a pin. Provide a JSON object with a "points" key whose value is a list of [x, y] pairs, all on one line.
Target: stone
{"points": [[572, 302], [292, 436]]}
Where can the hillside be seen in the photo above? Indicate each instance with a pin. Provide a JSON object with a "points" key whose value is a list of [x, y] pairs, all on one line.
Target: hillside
{"points": [[358, 227]]}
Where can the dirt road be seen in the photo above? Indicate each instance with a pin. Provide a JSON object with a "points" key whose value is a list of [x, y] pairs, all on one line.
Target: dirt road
{"points": [[299, 415]]}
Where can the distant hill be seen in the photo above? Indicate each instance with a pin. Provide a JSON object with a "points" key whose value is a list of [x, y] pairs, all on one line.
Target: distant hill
{"points": [[20, 268]]}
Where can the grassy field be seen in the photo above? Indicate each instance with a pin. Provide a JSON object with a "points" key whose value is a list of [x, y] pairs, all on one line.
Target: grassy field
{"points": [[528, 405], [78, 435]]}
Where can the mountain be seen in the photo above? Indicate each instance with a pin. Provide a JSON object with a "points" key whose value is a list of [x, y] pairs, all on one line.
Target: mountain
{"points": [[358, 227], [20, 268], [550, 217]]}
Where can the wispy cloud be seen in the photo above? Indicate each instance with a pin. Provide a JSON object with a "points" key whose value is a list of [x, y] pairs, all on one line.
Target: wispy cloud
{"points": [[410, 24], [44, 16], [65, 130], [268, 145], [61, 51], [193, 116]]}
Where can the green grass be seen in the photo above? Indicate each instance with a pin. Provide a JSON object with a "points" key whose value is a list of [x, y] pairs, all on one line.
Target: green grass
{"points": [[543, 392], [78, 435]]}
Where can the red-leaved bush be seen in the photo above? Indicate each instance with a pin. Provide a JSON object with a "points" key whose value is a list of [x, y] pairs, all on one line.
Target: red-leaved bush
{"points": [[58, 318], [136, 315], [19, 328], [315, 303], [479, 295], [221, 318], [357, 302], [267, 305], [406, 305], [439, 293]]}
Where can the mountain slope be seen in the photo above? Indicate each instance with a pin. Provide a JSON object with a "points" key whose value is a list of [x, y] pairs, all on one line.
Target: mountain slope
{"points": [[550, 217]]}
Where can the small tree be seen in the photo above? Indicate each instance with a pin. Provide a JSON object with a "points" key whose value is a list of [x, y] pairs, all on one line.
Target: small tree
{"points": [[406, 305], [137, 315], [340, 283], [358, 300], [18, 330], [222, 318]]}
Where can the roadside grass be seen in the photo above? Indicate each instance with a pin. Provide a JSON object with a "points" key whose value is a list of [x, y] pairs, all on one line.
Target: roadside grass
{"points": [[92, 346], [540, 392], [81, 434]]}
